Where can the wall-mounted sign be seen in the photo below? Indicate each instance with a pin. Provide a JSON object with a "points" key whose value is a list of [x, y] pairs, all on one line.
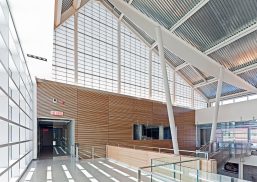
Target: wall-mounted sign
{"points": [[56, 113]]}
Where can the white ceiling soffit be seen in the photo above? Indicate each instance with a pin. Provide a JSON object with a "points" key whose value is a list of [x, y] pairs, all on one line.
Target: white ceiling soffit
{"points": [[180, 48]]}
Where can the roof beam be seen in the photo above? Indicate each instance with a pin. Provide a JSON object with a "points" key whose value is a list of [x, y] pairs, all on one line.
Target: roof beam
{"points": [[185, 17], [76, 4], [181, 66], [58, 12], [189, 14], [197, 72], [237, 72], [181, 48], [232, 39], [71, 11], [121, 16]]}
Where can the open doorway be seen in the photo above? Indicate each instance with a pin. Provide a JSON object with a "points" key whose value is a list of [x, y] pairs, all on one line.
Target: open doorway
{"points": [[55, 137]]}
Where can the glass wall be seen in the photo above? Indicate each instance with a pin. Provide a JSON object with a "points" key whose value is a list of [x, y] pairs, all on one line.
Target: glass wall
{"points": [[98, 38], [233, 132], [15, 102]]}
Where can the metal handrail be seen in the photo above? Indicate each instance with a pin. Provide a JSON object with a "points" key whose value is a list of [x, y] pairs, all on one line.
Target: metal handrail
{"points": [[159, 149]]}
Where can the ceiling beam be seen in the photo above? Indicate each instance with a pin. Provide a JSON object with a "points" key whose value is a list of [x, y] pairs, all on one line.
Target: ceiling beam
{"points": [[181, 66], [76, 4], [198, 73], [237, 72], [185, 18], [189, 14], [181, 48], [71, 11], [232, 39], [121, 16], [57, 12]]}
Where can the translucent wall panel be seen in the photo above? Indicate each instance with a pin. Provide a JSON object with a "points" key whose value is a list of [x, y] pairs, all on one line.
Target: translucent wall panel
{"points": [[157, 80], [199, 101], [15, 101], [63, 56], [97, 48], [183, 92], [134, 65]]}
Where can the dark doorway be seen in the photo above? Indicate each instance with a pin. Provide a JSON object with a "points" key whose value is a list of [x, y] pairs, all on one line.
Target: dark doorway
{"points": [[205, 136], [46, 140], [54, 138]]}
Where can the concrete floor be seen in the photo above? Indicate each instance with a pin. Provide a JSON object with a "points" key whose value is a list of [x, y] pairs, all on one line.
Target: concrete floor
{"points": [[65, 169]]}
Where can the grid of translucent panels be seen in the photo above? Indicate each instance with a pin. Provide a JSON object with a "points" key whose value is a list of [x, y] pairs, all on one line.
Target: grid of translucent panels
{"points": [[15, 102], [199, 101], [157, 80], [97, 48], [63, 52], [134, 65]]}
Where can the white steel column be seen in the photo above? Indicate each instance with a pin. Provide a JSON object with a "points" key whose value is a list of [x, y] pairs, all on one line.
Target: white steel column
{"points": [[150, 72], [76, 48], [174, 87], [119, 58], [167, 91], [217, 106]]}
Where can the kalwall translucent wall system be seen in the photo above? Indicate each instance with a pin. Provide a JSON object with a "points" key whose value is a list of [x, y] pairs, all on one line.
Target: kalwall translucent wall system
{"points": [[97, 48], [63, 56], [15, 102], [100, 45], [134, 65]]}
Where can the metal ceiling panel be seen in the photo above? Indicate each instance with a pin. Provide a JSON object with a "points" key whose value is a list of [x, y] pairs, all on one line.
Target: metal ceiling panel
{"points": [[66, 4], [173, 58], [238, 54], [142, 33], [204, 75], [210, 90], [250, 76], [216, 21], [165, 12], [191, 75]]}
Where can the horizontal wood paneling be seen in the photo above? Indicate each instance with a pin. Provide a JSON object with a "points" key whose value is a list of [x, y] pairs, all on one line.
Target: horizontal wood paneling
{"points": [[103, 117], [142, 158]]}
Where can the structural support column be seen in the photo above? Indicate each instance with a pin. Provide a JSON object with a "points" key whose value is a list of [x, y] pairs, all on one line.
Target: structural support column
{"points": [[217, 106], [76, 48], [167, 91], [150, 72], [119, 57], [174, 87]]}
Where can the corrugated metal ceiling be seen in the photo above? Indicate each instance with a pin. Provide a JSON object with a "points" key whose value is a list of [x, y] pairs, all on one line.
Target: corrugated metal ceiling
{"points": [[165, 12], [210, 90], [238, 54], [216, 21]]}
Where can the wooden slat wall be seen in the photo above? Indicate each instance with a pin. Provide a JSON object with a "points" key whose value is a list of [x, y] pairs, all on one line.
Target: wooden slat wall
{"points": [[103, 117]]}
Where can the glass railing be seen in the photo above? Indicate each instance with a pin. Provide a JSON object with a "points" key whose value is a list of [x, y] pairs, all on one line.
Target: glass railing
{"points": [[188, 170]]}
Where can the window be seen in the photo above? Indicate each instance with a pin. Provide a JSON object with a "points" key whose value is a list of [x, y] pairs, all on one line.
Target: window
{"points": [[167, 133], [151, 132], [241, 99]]}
